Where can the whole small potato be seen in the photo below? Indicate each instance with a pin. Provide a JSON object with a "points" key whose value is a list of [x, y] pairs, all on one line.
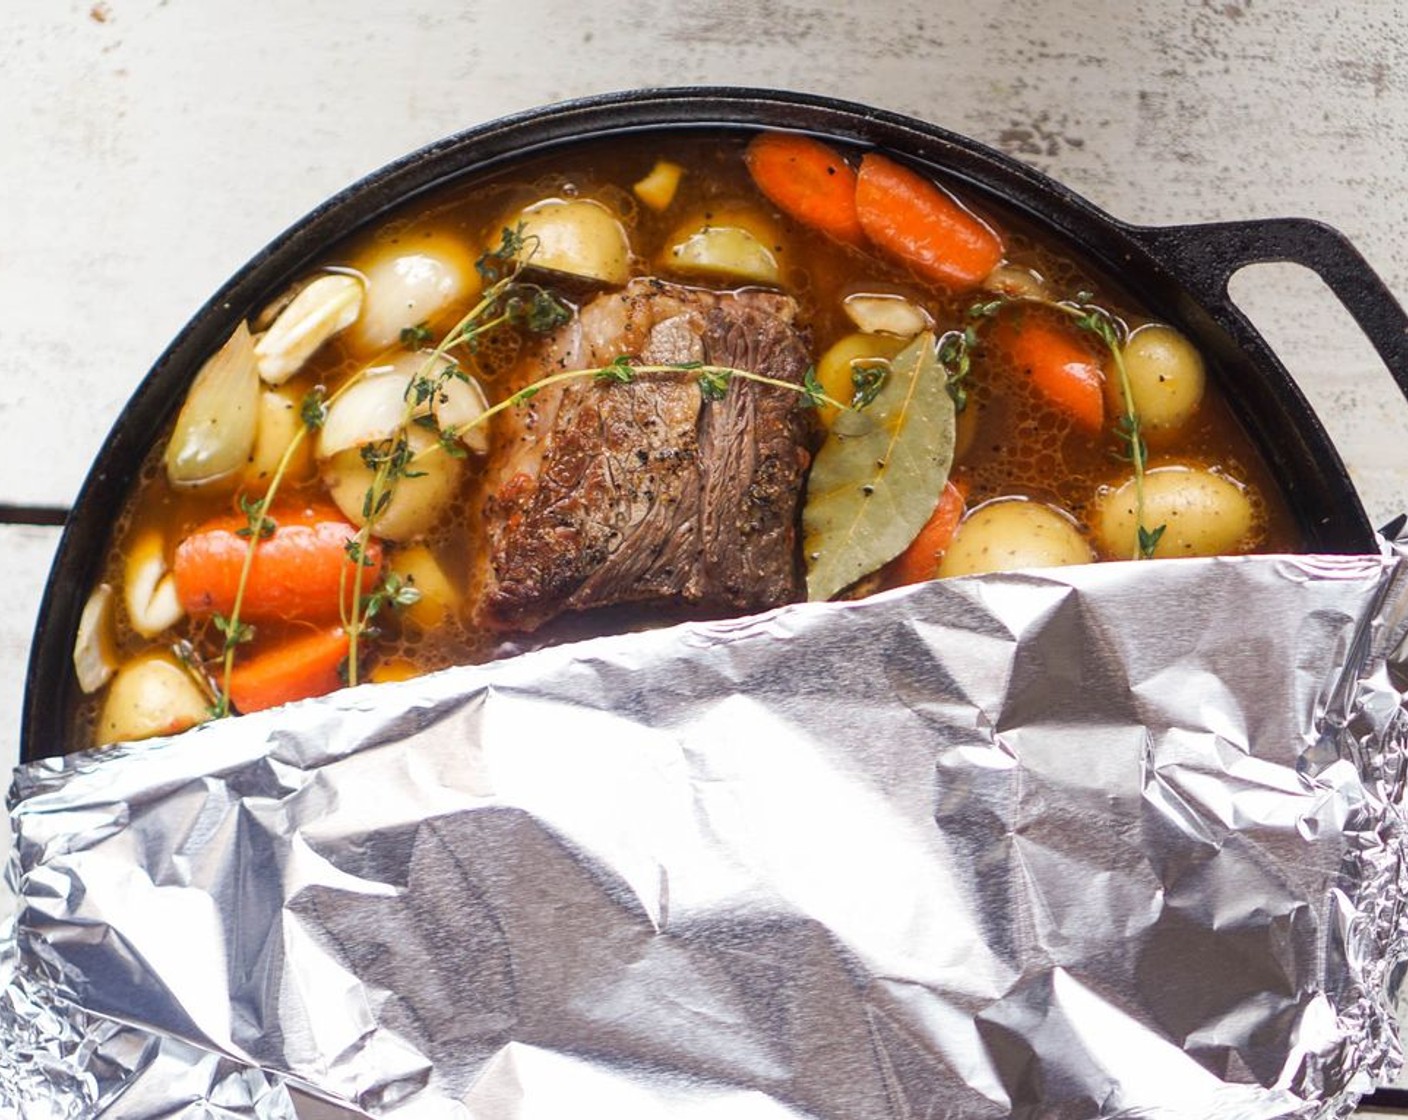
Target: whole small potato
{"points": [[151, 695], [417, 502], [1010, 533], [1166, 379], [1202, 514]]}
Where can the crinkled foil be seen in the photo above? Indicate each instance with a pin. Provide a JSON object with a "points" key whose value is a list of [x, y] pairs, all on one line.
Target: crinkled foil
{"points": [[1121, 840]]}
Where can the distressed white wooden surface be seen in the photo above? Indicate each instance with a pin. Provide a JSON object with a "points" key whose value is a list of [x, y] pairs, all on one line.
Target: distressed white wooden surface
{"points": [[149, 147]]}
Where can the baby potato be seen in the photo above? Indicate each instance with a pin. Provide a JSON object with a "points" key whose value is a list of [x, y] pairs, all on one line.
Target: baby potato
{"points": [[723, 251], [1010, 533], [1202, 514], [725, 242], [151, 695], [840, 363], [417, 502], [578, 237], [412, 280], [1166, 379]]}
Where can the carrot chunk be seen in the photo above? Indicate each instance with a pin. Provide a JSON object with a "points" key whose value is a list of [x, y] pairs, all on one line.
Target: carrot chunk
{"points": [[1063, 369], [296, 573], [920, 561], [923, 225], [308, 665], [808, 181]]}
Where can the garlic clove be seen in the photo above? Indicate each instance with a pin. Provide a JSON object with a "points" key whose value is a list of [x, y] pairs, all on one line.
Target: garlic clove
{"points": [[330, 304], [215, 429], [149, 588], [95, 648], [875, 313], [1016, 282], [280, 423]]}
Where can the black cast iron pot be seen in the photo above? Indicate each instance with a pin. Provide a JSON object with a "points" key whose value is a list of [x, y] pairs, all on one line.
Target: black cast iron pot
{"points": [[1179, 273]]}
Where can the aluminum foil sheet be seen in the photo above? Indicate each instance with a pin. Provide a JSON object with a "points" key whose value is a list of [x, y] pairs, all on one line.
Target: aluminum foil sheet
{"points": [[1121, 840]]}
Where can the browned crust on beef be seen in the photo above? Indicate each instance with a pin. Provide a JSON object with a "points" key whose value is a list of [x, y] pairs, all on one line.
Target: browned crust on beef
{"points": [[603, 494]]}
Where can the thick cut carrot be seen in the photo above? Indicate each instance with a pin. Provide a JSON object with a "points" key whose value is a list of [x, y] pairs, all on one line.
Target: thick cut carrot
{"points": [[1062, 368], [920, 561], [808, 181], [304, 666], [296, 573], [923, 225]]}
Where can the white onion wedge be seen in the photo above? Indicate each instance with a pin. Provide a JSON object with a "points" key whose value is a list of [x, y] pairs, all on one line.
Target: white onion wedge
{"points": [[886, 314], [216, 426], [151, 695], [412, 280], [372, 408], [330, 304], [95, 648], [148, 587]]}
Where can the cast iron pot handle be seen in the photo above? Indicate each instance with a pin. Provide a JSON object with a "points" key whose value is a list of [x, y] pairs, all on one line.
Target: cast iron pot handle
{"points": [[1204, 257]]}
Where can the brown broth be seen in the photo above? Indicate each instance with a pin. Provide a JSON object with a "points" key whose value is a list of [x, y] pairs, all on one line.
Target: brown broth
{"points": [[1020, 444]]}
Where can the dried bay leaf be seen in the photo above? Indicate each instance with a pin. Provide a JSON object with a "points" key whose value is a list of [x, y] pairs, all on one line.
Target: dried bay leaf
{"points": [[878, 476]]}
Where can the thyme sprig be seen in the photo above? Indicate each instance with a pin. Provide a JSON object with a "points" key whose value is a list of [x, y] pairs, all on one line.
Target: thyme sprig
{"points": [[260, 526], [955, 354], [1113, 332], [507, 301], [713, 382]]}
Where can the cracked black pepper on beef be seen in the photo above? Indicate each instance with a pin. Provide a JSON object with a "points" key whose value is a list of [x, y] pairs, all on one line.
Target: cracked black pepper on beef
{"points": [[603, 494]]}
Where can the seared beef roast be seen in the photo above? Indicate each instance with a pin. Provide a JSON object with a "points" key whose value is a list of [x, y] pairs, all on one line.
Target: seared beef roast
{"points": [[605, 493]]}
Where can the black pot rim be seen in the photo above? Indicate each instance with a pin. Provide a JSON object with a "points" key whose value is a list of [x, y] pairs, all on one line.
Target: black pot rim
{"points": [[1324, 498]]}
